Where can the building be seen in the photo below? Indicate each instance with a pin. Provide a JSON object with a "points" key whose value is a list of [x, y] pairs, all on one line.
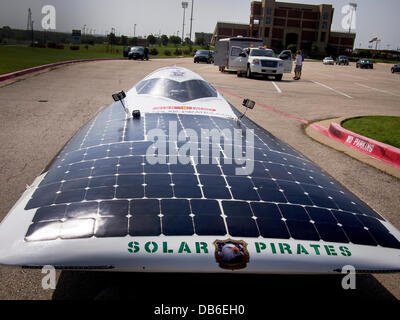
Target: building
{"points": [[308, 27], [207, 37], [228, 29]]}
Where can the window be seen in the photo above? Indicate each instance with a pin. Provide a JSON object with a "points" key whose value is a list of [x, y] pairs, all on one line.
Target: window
{"points": [[269, 11], [179, 91], [235, 52], [325, 15], [324, 25], [268, 20]]}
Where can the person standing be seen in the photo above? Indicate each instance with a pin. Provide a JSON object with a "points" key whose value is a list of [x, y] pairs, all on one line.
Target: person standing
{"points": [[299, 65], [146, 53]]}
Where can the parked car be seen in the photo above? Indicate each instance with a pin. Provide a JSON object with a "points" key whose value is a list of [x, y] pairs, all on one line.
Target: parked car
{"points": [[136, 53], [204, 56], [342, 60], [396, 68], [364, 64], [261, 61], [328, 60]]}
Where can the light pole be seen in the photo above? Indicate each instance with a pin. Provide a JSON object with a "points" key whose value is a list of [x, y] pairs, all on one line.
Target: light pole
{"points": [[134, 30], [184, 6], [191, 21]]}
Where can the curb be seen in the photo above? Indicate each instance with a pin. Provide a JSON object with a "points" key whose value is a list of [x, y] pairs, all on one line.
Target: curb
{"points": [[369, 146], [19, 73]]}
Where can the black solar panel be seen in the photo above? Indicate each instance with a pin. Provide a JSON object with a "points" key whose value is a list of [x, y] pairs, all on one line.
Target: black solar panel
{"points": [[101, 185]]}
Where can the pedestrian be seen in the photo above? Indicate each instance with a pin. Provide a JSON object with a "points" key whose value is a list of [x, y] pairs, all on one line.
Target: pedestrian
{"points": [[146, 53], [299, 65]]}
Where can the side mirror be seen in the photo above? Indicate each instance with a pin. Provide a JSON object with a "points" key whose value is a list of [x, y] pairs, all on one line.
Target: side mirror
{"points": [[119, 96], [249, 104]]}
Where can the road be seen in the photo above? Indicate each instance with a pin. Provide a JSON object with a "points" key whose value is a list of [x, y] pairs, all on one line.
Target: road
{"points": [[40, 113]]}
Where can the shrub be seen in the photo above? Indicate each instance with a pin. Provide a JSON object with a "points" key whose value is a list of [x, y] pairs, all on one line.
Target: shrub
{"points": [[178, 52], [59, 46], [74, 47], [51, 45], [186, 52], [167, 52], [153, 51]]}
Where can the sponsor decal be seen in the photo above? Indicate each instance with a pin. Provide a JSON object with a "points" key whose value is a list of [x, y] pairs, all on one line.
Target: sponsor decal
{"points": [[236, 255], [231, 254], [184, 108]]}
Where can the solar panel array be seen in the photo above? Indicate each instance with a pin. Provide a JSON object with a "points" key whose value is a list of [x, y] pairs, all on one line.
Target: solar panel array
{"points": [[101, 185]]}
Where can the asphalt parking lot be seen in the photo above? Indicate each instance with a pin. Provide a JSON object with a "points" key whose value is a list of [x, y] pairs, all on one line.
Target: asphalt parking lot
{"points": [[39, 114]]}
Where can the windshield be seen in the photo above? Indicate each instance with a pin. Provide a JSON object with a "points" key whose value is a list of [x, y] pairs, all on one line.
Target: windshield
{"points": [[262, 53], [137, 49], [179, 91], [202, 52]]}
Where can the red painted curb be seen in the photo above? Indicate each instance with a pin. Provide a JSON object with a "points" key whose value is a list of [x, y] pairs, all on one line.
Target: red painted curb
{"points": [[369, 146], [19, 73]]}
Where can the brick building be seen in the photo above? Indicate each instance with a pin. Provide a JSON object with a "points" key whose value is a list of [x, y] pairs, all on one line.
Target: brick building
{"points": [[308, 27], [228, 29]]}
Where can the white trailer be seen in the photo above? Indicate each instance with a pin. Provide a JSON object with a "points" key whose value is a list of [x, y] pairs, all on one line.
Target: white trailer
{"points": [[227, 50]]}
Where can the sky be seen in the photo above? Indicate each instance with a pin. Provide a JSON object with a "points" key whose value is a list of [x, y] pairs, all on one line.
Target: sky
{"points": [[374, 18]]}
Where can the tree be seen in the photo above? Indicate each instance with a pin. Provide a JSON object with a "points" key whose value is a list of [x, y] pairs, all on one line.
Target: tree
{"points": [[164, 40], [201, 41], [112, 39], [175, 39], [188, 42], [134, 41], [151, 39], [124, 40]]}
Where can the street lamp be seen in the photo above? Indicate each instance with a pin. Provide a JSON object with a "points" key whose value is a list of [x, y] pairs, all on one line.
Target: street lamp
{"points": [[191, 21], [184, 6]]}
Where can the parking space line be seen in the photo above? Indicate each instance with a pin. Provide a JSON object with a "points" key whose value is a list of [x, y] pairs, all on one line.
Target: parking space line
{"points": [[379, 90], [276, 87], [334, 90]]}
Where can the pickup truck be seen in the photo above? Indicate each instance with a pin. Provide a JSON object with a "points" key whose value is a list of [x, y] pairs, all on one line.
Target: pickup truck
{"points": [[261, 61]]}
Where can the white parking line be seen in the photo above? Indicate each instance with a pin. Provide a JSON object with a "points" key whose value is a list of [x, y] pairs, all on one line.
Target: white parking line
{"points": [[276, 87], [379, 90], [337, 91]]}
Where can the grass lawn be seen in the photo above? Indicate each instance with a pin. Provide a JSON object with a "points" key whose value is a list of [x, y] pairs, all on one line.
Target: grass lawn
{"points": [[18, 58], [380, 128]]}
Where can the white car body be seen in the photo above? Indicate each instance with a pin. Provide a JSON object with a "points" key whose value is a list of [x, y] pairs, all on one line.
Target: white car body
{"points": [[328, 60], [252, 64]]}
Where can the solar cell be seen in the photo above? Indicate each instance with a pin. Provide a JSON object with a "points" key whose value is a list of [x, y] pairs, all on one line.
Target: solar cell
{"points": [[101, 185]]}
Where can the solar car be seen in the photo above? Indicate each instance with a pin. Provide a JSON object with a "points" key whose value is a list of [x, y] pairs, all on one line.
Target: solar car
{"points": [[171, 178]]}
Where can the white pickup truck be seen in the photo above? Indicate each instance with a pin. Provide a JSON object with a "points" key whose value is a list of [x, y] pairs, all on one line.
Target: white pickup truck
{"points": [[261, 61]]}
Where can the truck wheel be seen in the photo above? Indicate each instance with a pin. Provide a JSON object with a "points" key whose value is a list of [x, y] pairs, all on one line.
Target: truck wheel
{"points": [[249, 74], [278, 77]]}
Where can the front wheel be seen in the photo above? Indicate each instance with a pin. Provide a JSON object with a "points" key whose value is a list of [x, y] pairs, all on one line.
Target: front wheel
{"points": [[278, 77], [249, 74]]}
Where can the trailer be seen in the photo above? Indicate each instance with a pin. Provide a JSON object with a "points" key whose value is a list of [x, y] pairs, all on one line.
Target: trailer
{"points": [[226, 50]]}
